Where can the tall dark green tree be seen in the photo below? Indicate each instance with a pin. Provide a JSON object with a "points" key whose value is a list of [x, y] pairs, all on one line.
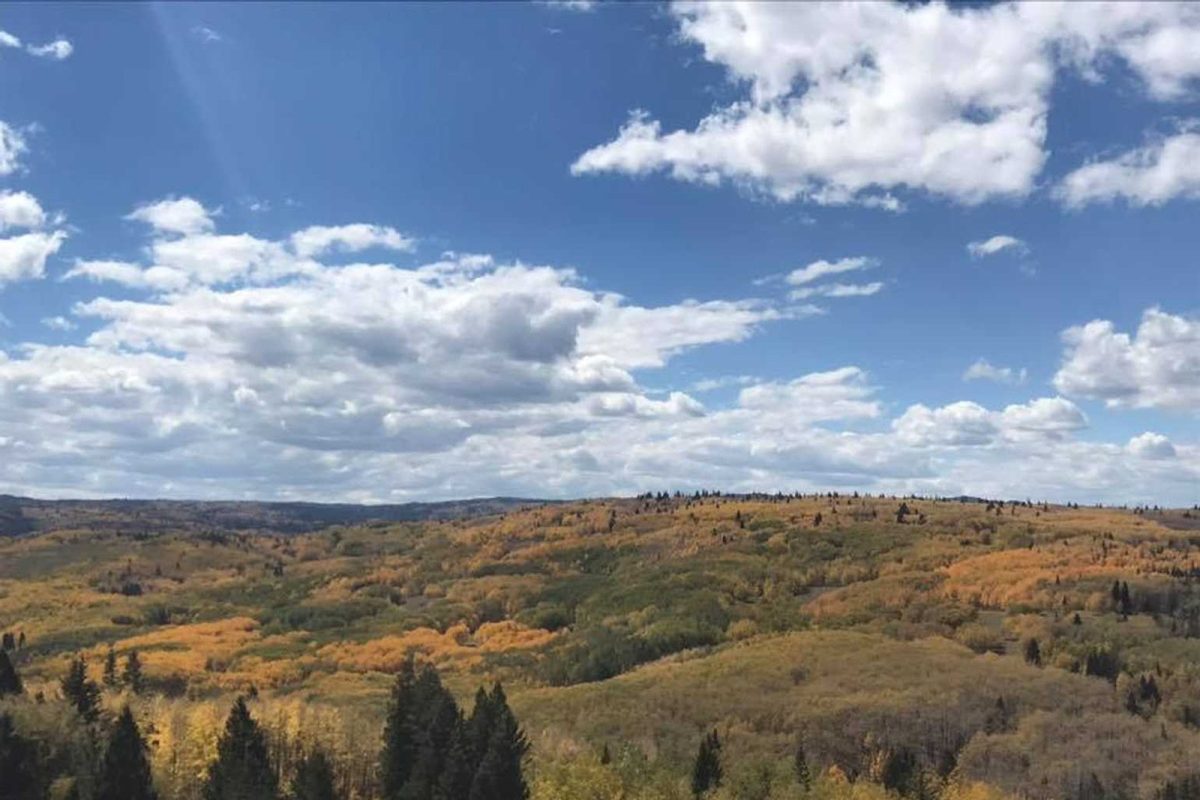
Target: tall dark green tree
{"points": [[110, 667], [81, 692], [399, 734], [242, 770], [125, 772], [131, 676], [500, 774], [20, 775], [314, 778], [800, 767], [459, 769], [10, 681], [1033, 653], [707, 770]]}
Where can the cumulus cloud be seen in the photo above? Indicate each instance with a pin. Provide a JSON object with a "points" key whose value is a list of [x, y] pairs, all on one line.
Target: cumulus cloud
{"points": [[320, 239], [983, 370], [1151, 445], [968, 424], [20, 210], [996, 244], [848, 102], [24, 257], [468, 376], [1156, 367], [183, 215], [1148, 176]]}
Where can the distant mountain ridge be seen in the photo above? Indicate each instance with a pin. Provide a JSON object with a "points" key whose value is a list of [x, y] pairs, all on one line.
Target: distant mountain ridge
{"points": [[20, 515]]}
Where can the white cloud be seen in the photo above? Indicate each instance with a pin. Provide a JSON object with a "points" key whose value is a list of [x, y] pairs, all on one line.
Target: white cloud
{"points": [[58, 323], [983, 370], [1148, 176], [968, 424], [848, 102], [822, 269], [468, 377], [183, 215], [837, 290], [12, 147], [1151, 445], [57, 50], [1159, 366], [996, 244], [8, 40], [321, 239], [24, 257], [206, 34], [20, 210]]}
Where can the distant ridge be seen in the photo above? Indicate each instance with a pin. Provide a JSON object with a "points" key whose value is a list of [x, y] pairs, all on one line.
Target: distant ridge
{"points": [[19, 515]]}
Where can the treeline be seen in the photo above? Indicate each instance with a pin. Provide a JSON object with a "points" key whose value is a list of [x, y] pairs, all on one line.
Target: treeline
{"points": [[431, 750]]}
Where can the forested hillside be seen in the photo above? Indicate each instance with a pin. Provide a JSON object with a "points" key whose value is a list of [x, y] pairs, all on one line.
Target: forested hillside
{"points": [[659, 647]]}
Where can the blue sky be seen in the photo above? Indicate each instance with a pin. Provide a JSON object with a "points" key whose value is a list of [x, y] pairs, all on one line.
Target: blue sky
{"points": [[388, 252]]}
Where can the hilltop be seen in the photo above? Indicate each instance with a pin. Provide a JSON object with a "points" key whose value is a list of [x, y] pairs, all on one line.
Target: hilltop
{"points": [[859, 625]]}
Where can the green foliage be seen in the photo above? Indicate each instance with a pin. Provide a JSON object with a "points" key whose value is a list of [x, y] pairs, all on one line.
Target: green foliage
{"points": [[10, 681], [313, 779], [131, 676], [20, 777], [707, 770], [243, 769], [125, 772], [81, 692]]}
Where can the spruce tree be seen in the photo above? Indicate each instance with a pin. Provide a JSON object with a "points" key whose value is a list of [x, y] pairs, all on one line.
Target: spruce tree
{"points": [[10, 681], [110, 667], [242, 770], [500, 775], [707, 770], [125, 772], [399, 735], [20, 773], [1033, 653], [800, 766], [81, 692], [132, 674], [314, 778], [459, 769]]}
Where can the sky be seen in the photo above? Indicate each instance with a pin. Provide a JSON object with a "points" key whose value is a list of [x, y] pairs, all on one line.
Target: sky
{"points": [[382, 253]]}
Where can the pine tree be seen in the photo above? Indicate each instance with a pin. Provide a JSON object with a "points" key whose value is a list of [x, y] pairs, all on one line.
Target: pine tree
{"points": [[110, 667], [800, 765], [80, 692], [125, 773], [1033, 653], [20, 773], [707, 771], [500, 775], [314, 778], [459, 769], [132, 674], [242, 770], [399, 736], [10, 681]]}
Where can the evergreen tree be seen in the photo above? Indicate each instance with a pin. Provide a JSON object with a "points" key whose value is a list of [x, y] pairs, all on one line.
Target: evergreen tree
{"points": [[459, 769], [800, 765], [1126, 601], [10, 681], [1033, 653], [110, 667], [81, 692], [132, 674], [7, 642], [20, 777], [499, 775], [125, 772], [707, 771], [399, 736], [242, 770], [314, 778]]}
